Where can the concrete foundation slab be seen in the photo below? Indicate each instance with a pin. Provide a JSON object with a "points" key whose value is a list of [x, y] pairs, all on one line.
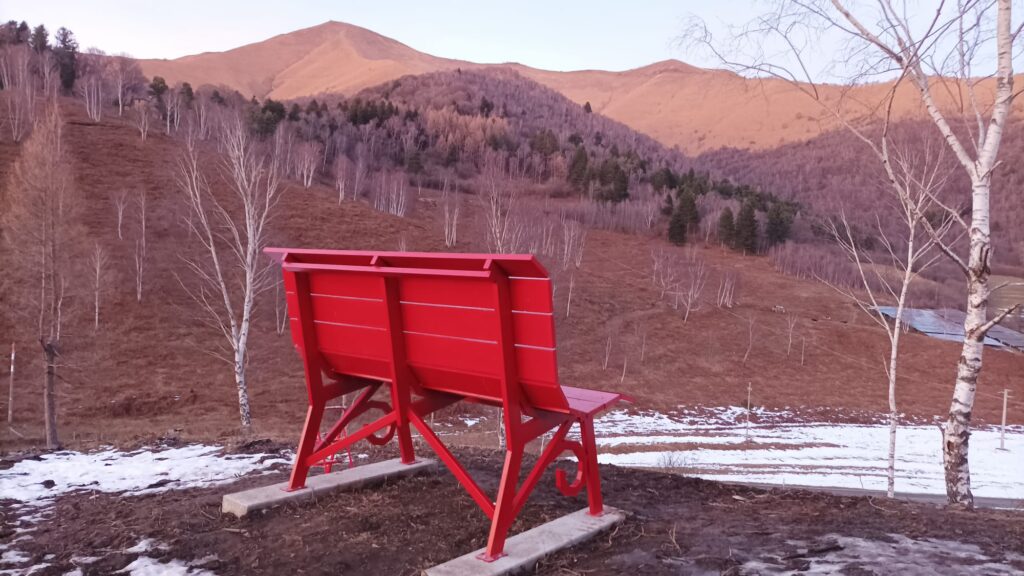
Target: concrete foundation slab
{"points": [[242, 503], [524, 550]]}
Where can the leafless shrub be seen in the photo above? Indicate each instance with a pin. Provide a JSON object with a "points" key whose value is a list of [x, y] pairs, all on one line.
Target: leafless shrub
{"points": [[306, 161], [691, 295], [98, 264], [750, 338], [451, 222], [791, 324], [505, 230], [391, 196], [280, 305], [92, 71], [574, 237], [120, 203], [142, 112], [140, 245], [727, 289]]}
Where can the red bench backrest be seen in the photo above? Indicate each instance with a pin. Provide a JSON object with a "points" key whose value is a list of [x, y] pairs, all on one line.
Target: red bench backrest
{"points": [[450, 314]]}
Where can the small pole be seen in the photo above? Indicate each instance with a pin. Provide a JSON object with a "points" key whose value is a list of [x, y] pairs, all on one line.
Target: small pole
{"points": [[1002, 429], [803, 346], [568, 302], [749, 389], [10, 388]]}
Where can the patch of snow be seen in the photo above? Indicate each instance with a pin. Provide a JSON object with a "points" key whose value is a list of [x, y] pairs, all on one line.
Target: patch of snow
{"points": [[470, 422], [13, 557], [146, 566], [901, 555], [145, 545], [143, 471], [204, 560], [809, 454], [140, 472], [75, 572]]}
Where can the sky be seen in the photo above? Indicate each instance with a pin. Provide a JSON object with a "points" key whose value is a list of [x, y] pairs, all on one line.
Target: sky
{"points": [[551, 34]]}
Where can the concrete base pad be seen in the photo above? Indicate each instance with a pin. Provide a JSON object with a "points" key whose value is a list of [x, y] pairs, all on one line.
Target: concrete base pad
{"points": [[524, 550], [242, 503]]}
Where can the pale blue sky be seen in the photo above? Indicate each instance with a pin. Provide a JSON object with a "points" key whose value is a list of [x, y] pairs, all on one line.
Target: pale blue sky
{"points": [[551, 34]]}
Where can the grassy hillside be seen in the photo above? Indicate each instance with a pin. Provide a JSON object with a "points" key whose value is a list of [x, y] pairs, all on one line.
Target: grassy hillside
{"points": [[146, 373]]}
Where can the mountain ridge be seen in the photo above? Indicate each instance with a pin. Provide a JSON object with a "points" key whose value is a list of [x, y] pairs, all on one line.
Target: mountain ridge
{"points": [[681, 105]]}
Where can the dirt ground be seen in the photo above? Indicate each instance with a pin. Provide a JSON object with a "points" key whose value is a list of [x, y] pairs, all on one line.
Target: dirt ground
{"points": [[676, 525]]}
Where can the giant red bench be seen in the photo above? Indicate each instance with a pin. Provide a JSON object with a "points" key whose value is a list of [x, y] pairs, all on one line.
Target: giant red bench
{"points": [[437, 329]]}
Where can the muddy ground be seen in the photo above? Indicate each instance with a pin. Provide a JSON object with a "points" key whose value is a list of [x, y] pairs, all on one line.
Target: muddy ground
{"points": [[676, 525]]}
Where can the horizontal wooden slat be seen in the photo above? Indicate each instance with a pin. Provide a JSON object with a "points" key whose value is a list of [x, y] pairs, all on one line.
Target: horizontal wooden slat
{"points": [[473, 293], [453, 354], [530, 294], [448, 321], [534, 329], [483, 387], [350, 285], [348, 311], [352, 341]]}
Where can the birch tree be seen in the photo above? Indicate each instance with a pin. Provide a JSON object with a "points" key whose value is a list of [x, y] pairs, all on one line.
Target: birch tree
{"points": [[127, 80], [904, 257], [504, 226], [98, 264], [230, 270], [944, 50], [143, 112], [41, 230], [15, 73], [90, 84]]}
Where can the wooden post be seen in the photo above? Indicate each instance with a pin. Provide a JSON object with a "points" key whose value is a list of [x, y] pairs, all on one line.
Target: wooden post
{"points": [[1002, 429], [750, 388], [10, 388]]}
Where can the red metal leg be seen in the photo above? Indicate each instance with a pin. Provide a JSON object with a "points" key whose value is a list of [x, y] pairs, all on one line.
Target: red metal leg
{"points": [[307, 444], [505, 509], [400, 402], [590, 470]]}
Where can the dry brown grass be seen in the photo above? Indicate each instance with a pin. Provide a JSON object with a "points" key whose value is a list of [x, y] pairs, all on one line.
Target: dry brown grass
{"points": [[145, 373]]}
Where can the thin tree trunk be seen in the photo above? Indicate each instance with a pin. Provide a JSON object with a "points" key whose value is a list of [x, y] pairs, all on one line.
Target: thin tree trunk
{"points": [[10, 390], [956, 431], [244, 412], [50, 397], [894, 353]]}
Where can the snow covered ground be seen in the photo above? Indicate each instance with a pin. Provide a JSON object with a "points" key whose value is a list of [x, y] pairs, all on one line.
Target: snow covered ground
{"points": [[34, 483], [720, 445]]}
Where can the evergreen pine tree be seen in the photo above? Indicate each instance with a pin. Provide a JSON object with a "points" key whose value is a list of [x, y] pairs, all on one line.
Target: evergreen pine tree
{"points": [[727, 227], [746, 229], [776, 228], [677, 227], [39, 40], [66, 50], [688, 206], [578, 168]]}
